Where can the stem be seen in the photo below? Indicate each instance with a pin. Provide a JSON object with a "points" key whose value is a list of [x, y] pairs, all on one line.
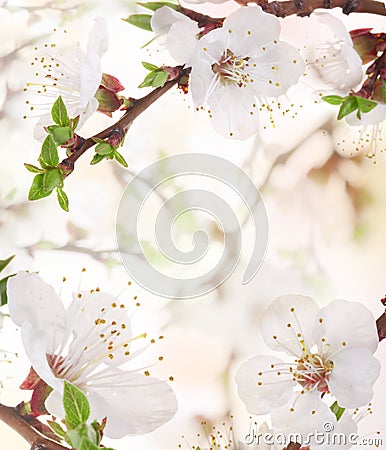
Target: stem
{"points": [[306, 7], [10, 417], [124, 122]]}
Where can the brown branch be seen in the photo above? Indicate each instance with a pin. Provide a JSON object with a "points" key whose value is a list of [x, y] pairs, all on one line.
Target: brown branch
{"points": [[306, 7], [10, 417], [139, 106]]}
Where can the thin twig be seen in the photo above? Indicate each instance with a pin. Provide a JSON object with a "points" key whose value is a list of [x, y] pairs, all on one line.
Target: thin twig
{"points": [[10, 417]]}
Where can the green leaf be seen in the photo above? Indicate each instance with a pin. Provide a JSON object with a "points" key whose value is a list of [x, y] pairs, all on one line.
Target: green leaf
{"points": [[337, 410], [36, 192], [51, 179], [75, 405], [49, 155], [149, 66], [160, 79], [384, 92], [97, 159], [148, 81], [74, 122], [104, 149], [3, 290], [86, 444], [59, 113], [4, 262], [140, 21], [62, 134], [62, 199], [365, 105], [56, 427], [120, 159], [349, 105], [153, 6], [149, 42], [333, 99], [33, 168]]}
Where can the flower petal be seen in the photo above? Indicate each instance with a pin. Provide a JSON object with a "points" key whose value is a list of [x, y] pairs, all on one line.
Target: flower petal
{"points": [[302, 415], [276, 70], [31, 299], [181, 40], [233, 111], [345, 325], [249, 27], [35, 344], [274, 390], [90, 77], [133, 403], [297, 311], [353, 377], [98, 38]]}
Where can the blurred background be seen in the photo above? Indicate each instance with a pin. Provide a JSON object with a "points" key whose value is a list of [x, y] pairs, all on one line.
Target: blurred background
{"points": [[325, 202]]}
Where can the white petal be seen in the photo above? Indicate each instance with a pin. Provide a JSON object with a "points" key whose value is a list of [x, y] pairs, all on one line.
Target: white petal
{"points": [[98, 39], [90, 77], [296, 310], [134, 404], [54, 404], [163, 18], [201, 79], [336, 26], [233, 112], [250, 24], [338, 438], [345, 325], [31, 299], [39, 132], [181, 40], [353, 377], [275, 389], [277, 69], [35, 343], [303, 414]]}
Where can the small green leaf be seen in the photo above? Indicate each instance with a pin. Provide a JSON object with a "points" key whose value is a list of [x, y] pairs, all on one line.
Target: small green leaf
{"points": [[62, 134], [59, 113], [86, 444], [153, 6], [148, 81], [4, 262], [365, 105], [36, 191], [120, 159], [33, 168], [148, 42], [56, 427], [51, 179], [333, 99], [74, 123], [140, 21], [97, 159], [75, 405], [3, 290], [160, 79], [99, 141], [149, 66], [337, 410], [349, 105], [49, 155], [62, 199], [104, 149]]}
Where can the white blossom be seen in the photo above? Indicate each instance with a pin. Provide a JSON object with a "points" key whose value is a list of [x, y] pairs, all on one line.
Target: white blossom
{"points": [[330, 350], [73, 74], [236, 67], [86, 345]]}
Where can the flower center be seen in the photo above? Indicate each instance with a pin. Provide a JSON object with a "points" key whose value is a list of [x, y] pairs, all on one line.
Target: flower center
{"points": [[313, 371], [231, 69]]}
